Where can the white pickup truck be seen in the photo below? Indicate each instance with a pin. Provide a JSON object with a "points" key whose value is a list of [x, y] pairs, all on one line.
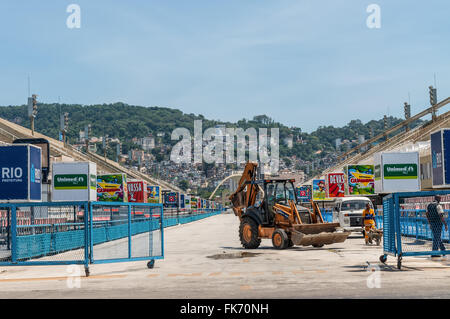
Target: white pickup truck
{"points": [[348, 212]]}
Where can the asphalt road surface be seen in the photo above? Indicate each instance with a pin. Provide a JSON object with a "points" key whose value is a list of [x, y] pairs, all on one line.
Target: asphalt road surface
{"points": [[204, 259]]}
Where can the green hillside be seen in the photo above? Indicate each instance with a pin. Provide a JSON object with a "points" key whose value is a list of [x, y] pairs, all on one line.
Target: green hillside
{"points": [[128, 121]]}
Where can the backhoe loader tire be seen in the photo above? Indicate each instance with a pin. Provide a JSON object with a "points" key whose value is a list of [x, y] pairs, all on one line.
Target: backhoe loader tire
{"points": [[248, 233], [280, 239]]}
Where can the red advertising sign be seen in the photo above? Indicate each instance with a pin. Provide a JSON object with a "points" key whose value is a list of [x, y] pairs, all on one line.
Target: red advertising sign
{"points": [[336, 185], [137, 192]]}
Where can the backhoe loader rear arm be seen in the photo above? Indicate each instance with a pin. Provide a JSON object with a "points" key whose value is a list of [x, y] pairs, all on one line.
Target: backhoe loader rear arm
{"points": [[245, 194]]}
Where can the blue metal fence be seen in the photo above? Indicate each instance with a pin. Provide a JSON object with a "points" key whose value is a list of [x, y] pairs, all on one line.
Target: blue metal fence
{"points": [[412, 224], [410, 232], [34, 240], [79, 232], [126, 221]]}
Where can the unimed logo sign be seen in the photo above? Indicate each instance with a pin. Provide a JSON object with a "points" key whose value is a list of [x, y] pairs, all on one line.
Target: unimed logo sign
{"points": [[400, 171], [72, 181]]}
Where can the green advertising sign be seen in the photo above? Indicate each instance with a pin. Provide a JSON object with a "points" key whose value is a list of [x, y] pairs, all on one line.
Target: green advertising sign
{"points": [[71, 181], [400, 171]]}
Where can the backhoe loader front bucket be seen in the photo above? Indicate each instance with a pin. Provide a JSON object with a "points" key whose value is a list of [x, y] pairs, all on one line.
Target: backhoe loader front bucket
{"points": [[318, 235]]}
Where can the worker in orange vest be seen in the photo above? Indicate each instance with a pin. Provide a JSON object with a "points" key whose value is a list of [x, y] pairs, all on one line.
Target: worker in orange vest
{"points": [[369, 221]]}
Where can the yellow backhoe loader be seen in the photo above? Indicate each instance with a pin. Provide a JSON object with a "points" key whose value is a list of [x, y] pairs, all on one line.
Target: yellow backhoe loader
{"points": [[269, 209]]}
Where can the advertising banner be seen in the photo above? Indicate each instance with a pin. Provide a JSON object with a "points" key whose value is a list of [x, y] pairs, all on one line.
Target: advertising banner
{"points": [[193, 202], [335, 185], [137, 192], [14, 173], [446, 155], [397, 172], [112, 188], [70, 181], [400, 171], [187, 201], [182, 203], [318, 189], [437, 164], [171, 199], [361, 179], [20, 173], [35, 174], [74, 181], [154, 194], [304, 193]]}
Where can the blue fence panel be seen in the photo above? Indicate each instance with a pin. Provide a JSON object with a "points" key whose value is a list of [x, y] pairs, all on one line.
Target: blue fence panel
{"points": [[68, 240], [67, 229], [33, 246], [409, 232], [388, 225], [39, 231]]}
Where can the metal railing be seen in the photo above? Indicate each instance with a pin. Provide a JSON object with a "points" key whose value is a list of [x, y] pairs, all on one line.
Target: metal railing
{"points": [[414, 232], [86, 232]]}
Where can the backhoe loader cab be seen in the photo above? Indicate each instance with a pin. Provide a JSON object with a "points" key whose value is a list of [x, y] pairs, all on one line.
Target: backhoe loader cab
{"points": [[277, 192], [269, 209]]}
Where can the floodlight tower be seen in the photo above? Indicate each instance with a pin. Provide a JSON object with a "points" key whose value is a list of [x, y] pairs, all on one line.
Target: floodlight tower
{"points": [[32, 111]]}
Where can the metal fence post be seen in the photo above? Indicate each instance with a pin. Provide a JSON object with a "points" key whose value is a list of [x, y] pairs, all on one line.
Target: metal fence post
{"points": [[397, 224], [13, 234], [8, 228], [86, 238], [91, 233], [33, 230], [162, 230], [417, 224], [129, 230]]}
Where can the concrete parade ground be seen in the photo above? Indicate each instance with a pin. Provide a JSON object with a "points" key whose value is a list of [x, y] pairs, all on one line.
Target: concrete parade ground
{"points": [[204, 259]]}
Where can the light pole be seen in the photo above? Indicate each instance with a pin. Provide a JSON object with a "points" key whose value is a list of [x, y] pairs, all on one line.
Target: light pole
{"points": [[433, 101], [32, 111], [407, 109], [105, 145], [87, 133], [64, 125]]}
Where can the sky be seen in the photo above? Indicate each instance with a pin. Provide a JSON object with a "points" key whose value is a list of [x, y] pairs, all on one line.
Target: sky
{"points": [[304, 63]]}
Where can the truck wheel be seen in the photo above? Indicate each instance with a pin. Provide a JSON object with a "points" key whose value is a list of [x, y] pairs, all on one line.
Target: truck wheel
{"points": [[280, 239], [248, 233]]}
